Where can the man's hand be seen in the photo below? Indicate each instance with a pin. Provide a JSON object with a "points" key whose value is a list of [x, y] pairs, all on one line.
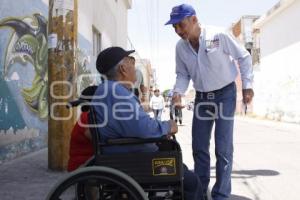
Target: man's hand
{"points": [[143, 98], [247, 95], [174, 128], [176, 100]]}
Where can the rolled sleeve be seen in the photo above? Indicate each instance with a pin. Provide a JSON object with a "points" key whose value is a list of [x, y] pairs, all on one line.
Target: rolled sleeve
{"points": [[182, 75], [239, 53]]}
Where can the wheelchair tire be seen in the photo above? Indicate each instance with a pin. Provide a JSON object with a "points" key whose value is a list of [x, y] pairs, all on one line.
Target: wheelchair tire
{"points": [[118, 179]]}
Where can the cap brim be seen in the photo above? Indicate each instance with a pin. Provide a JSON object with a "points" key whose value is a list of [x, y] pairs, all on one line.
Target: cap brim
{"points": [[173, 21], [179, 19], [129, 52]]}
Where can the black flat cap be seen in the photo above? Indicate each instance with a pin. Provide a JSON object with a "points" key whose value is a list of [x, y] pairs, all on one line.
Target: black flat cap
{"points": [[109, 57]]}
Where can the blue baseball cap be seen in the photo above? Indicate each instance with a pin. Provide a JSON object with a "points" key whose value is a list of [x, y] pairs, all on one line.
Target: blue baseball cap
{"points": [[180, 12]]}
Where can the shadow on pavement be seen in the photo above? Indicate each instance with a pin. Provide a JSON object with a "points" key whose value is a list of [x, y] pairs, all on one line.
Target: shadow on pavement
{"points": [[236, 197], [258, 172], [251, 173]]}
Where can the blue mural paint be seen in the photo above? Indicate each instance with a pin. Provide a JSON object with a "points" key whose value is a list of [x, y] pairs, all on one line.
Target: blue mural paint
{"points": [[27, 50], [17, 108], [13, 117], [15, 111]]}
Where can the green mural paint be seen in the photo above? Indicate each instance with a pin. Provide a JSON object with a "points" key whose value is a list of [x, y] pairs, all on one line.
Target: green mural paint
{"points": [[28, 43]]}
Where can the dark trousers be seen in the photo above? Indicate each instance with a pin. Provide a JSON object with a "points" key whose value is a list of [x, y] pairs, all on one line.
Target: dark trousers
{"points": [[136, 91], [192, 185], [175, 114], [157, 114]]}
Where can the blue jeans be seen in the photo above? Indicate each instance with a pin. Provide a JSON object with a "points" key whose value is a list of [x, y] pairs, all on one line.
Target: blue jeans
{"points": [[214, 107]]}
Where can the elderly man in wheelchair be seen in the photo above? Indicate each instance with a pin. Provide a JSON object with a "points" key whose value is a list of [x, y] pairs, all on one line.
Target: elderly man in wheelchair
{"points": [[135, 155]]}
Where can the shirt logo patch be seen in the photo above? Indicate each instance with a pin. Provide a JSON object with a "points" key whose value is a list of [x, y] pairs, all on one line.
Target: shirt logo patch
{"points": [[211, 44]]}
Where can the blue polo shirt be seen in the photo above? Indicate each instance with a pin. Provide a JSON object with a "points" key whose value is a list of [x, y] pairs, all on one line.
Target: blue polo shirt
{"points": [[119, 114]]}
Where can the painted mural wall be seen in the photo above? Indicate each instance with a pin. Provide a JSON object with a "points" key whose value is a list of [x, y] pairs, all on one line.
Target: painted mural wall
{"points": [[23, 66], [23, 77]]}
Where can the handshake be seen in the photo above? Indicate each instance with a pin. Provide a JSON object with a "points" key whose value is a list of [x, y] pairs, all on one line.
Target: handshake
{"points": [[177, 102]]}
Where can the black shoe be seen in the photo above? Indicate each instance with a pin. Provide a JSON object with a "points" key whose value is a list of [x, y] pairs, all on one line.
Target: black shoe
{"points": [[180, 122]]}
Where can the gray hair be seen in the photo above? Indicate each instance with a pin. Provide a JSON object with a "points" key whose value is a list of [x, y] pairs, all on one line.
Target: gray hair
{"points": [[112, 73]]}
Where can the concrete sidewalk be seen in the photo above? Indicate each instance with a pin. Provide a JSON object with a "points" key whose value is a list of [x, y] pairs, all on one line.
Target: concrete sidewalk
{"points": [[27, 178], [266, 163]]}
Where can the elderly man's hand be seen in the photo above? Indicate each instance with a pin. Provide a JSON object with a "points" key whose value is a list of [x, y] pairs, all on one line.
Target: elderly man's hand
{"points": [[143, 98], [247, 95], [174, 128]]}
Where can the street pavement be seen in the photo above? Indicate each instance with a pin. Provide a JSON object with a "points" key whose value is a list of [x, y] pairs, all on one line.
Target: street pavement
{"points": [[266, 163], [266, 158]]}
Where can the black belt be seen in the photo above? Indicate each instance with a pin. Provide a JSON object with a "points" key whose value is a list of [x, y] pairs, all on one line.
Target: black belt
{"points": [[215, 91]]}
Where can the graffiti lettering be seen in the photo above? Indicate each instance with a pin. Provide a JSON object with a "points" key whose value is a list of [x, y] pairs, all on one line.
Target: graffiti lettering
{"points": [[24, 47]]}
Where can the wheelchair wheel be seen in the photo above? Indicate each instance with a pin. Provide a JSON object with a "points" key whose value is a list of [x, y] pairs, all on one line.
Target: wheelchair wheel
{"points": [[97, 183]]}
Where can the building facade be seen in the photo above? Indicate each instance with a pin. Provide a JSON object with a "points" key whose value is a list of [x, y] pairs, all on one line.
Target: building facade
{"points": [[23, 64], [277, 72], [242, 31]]}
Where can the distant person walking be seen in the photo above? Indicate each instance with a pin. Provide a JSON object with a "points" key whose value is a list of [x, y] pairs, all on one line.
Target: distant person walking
{"points": [[175, 111], [157, 104]]}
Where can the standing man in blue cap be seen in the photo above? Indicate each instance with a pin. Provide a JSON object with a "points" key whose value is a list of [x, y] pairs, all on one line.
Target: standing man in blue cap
{"points": [[208, 58]]}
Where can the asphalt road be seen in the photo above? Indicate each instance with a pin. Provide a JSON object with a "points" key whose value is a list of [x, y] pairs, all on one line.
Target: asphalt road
{"points": [[266, 158]]}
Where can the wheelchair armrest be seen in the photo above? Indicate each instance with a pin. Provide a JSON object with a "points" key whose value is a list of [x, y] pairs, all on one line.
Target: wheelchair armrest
{"points": [[128, 141], [161, 141]]}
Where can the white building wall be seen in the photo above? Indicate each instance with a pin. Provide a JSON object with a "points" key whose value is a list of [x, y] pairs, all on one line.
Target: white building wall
{"points": [[282, 30], [277, 80], [108, 16], [122, 33]]}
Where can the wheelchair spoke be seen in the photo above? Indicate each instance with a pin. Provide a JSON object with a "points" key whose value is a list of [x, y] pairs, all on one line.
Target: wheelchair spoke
{"points": [[97, 183]]}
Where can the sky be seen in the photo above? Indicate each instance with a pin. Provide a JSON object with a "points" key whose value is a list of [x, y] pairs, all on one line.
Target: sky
{"points": [[155, 41]]}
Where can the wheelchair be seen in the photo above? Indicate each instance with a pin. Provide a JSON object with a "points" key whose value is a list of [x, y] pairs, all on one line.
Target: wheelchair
{"points": [[134, 176]]}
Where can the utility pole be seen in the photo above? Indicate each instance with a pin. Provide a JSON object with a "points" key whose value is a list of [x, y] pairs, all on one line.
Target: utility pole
{"points": [[62, 74]]}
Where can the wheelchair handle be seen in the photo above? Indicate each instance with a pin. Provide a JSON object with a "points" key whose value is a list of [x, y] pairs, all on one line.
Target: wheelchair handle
{"points": [[76, 103]]}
